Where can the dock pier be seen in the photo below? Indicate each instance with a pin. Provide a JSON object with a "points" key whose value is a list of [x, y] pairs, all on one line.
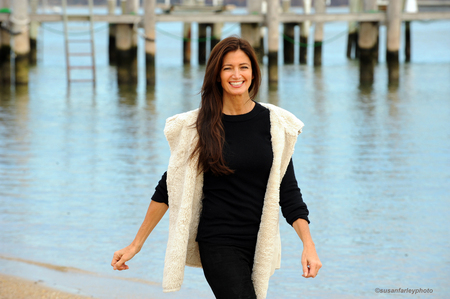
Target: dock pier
{"points": [[394, 11], [368, 44], [21, 26], [5, 50]]}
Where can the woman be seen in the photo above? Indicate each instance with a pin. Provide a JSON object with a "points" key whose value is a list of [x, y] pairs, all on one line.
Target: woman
{"points": [[229, 172]]}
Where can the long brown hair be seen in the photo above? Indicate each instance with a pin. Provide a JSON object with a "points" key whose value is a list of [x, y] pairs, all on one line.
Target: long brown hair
{"points": [[209, 122]]}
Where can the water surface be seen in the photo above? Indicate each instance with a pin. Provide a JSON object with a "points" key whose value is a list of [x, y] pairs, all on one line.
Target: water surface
{"points": [[78, 166]]}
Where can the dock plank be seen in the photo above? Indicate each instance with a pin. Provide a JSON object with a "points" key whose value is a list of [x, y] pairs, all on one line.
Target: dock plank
{"points": [[244, 18]]}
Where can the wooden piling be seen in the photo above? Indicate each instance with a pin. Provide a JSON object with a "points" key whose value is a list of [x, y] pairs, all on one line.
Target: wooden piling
{"points": [[288, 42], [351, 42], [304, 33], [410, 6], [407, 41], [112, 34], [5, 51], [21, 41], [150, 44], [352, 38], [263, 42], [123, 51], [1, 57], [393, 14], [133, 8], [187, 43], [216, 34], [126, 46], [319, 7], [187, 36], [5, 57], [303, 49], [202, 37], [273, 39], [376, 54], [252, 31], [368, 45], [34, 28], [357, 50]]}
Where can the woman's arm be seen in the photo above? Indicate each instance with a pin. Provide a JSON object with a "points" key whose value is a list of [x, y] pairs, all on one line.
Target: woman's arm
{"points": [[155, 212], [310, 259]]}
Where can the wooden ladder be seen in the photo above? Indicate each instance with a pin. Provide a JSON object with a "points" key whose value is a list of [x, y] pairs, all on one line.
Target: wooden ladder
{"points": [[86, 51]]}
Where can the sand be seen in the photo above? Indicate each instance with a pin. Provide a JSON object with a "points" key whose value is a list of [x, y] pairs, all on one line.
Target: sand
{"points": [[17, 288]]}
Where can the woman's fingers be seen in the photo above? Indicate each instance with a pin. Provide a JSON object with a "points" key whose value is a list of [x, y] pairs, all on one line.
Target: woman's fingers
{"points": [[120, 265], [305, 269], [310, 267], [314, 269], [118, 261], [311, 260], [116, 258]]}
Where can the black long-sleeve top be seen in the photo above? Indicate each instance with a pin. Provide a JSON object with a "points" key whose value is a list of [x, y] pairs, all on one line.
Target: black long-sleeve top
{"points": [[232, 204]]}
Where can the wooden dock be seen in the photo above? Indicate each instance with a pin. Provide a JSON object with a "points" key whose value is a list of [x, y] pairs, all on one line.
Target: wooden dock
{"points": [[210, 18], [368, 18]]}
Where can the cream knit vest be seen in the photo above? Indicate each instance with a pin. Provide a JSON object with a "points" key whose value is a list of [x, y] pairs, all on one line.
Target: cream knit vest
{"points": [[185, 185]]}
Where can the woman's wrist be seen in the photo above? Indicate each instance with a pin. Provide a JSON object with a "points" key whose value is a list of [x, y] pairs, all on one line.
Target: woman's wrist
{"points": [[309, 244], [135, 247]]}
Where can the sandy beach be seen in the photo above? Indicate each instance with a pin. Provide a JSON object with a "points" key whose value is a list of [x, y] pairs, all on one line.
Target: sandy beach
{"points": [[27, 279], [17, 288]]}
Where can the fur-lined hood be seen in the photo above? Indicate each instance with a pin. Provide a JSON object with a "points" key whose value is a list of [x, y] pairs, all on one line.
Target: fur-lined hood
{"points": [[185, 186]]}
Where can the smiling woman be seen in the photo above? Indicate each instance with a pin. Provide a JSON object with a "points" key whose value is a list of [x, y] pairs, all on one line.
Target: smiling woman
{"points": [[229, 172], [233, 62]]}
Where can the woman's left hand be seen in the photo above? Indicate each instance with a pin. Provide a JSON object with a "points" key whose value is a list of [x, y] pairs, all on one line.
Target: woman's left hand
{"points": [[310, 261]]}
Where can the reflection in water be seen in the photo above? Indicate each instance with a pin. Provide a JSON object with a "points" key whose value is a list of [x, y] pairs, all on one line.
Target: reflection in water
{"points": [[15, 151], [365, 89], [150, 99], [127, 94], [320, 145], [190, 92]]}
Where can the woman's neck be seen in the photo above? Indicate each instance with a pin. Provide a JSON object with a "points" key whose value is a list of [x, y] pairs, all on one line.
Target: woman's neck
{"points": [[237, 106]]}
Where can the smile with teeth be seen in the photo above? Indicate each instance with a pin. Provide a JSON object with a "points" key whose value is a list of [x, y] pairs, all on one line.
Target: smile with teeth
{"points": [[236, 84]]}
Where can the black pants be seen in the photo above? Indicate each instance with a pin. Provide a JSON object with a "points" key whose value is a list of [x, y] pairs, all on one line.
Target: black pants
{"points": [[228, 270]]}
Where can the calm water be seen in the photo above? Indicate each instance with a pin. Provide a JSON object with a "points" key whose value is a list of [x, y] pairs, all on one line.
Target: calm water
{"points": [[78, 166]]}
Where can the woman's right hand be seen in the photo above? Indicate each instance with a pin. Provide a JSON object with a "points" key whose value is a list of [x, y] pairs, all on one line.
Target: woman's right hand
{"points": [[155, 212], [122, 256]]}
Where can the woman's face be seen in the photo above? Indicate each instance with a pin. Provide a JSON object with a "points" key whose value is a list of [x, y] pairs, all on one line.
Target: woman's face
{"points": [[236, 74]]}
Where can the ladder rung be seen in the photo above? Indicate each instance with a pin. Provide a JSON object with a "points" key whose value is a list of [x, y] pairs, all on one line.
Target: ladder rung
{"points": [[81, 80], [81, 67], [79, 28], [81, 54], [79, 40]]}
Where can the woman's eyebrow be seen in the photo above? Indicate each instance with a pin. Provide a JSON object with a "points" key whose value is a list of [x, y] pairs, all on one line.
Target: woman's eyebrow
{"points": [[239, 64]]}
